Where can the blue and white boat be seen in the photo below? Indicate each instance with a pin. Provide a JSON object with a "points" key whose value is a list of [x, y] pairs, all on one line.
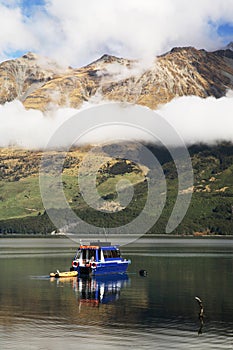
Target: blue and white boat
{"points": [[99, 258]]}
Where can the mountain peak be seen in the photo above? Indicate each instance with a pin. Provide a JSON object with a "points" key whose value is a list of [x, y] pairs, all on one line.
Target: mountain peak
{"points": [[31, 56], [229, 46], [107, 58]]}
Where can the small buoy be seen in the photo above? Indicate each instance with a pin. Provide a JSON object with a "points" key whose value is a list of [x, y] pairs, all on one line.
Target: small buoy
{"points": [[143, 273]]}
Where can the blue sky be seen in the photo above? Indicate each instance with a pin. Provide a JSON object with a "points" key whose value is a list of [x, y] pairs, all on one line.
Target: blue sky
{"points": [[78, 31], [26, 5], [30, 5], [225, 30], [27, 8]]}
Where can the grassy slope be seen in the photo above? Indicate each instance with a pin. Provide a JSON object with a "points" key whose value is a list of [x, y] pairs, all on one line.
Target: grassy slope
{"points": [[20, 198], [21, 209]]}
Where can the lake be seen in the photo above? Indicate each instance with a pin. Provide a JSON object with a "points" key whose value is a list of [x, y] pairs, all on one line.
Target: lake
{"points": [[158, 311]]}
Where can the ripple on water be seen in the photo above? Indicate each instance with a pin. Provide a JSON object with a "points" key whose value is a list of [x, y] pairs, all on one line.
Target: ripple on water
{"points": [[39, 334]]}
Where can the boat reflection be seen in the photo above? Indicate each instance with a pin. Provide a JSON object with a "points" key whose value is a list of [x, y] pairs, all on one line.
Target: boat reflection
{"points": [[98, 290]]}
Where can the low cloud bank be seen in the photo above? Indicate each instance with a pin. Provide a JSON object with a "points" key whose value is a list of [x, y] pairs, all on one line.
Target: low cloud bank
{"points": [[28, 128], [194, 119], [201, 120]]}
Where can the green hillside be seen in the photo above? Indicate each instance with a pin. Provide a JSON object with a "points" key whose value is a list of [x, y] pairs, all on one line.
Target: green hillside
{"points": [[210, 211]]}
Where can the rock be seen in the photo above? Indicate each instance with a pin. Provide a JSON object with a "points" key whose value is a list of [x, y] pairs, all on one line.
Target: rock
{"points": [[143, 273]]}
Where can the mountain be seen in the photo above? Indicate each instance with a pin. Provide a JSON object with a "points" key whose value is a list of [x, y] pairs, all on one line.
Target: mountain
{"points": [[43, 84], [229, 46], [20, 77], [210, 210]]}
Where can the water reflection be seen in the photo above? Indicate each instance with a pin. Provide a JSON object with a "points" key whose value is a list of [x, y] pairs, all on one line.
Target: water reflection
{"points": [[100, 289]]}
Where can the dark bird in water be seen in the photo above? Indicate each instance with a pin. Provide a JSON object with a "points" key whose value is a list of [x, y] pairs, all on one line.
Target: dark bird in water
{"points": [[143, 273], [201, 314]]}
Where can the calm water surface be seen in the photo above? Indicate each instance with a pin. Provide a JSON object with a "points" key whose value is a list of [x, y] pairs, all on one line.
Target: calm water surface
{"points": [[119, 312]]}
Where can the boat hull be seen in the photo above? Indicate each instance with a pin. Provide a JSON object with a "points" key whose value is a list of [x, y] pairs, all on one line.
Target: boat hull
{"points": [[103, 269]]}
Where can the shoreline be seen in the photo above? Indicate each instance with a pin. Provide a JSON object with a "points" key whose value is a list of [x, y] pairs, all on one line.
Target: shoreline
{"points": [[149, 236]]}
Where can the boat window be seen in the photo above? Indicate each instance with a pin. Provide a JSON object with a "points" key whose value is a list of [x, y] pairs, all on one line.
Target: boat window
{"points": [[111, 253], [116, 253], [91, 254], [107, 253], [88, 254], [84, 255], [78, 253]]}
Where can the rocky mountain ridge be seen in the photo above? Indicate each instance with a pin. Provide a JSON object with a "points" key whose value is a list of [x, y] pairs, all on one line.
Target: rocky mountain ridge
{"points": [[20, 77], [42, 84], [229, 46]]}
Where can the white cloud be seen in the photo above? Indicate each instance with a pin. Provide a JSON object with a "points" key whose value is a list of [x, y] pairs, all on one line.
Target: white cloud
{"points": [[135, 28], [77, 31], [201, 120], [193, 118], [14, 33], [28, 128]]}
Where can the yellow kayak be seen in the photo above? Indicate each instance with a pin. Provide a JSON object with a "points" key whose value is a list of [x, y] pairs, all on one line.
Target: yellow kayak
{"points": [[58, 274]]}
